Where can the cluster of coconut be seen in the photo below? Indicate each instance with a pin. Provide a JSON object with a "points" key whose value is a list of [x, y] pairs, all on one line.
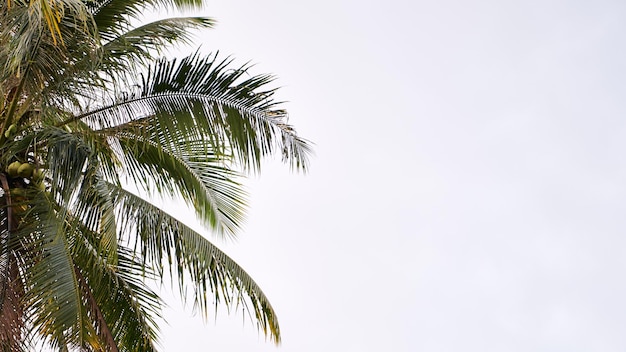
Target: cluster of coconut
{"points": [[17, 169], [26, 170]]}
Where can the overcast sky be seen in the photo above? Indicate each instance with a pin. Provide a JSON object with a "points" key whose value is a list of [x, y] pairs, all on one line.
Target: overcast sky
{"points": [[469, 186]]}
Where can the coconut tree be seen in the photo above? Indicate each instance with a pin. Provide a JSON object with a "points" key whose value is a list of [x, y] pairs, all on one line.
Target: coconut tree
{"points": [[88, 108]]}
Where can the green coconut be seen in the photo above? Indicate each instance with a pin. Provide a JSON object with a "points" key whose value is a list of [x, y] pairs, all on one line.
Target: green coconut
{"points": [[37, 175], [10, 131], [40, 185], [13, 168], [25, 170]]}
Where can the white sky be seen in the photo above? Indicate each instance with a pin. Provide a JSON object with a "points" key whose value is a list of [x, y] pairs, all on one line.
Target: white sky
{"points": [[468, 190]]}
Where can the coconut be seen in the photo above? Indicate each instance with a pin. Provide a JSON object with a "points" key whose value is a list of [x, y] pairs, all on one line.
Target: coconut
{"points": [[25, 170], [10, 131], [38, 175], [40, 185], [13, 168]]}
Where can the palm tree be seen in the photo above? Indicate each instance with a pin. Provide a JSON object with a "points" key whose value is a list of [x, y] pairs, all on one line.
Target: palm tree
{"points": [[86, 109]]}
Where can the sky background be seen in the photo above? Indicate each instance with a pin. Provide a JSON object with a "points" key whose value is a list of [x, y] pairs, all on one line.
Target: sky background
{"points": [[468, 189]]}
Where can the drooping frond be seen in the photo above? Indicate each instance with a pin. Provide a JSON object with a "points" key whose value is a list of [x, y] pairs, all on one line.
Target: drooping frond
{"points": [[190, 170], [53, 301], [119, 303], [165, 240]]}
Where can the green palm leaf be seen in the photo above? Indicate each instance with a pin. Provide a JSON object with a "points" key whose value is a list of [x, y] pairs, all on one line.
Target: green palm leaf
{"points": [[164, 239], [113, 17], [54, 300], [121, 306], [138, 45], [209, 98], [195, 173]]}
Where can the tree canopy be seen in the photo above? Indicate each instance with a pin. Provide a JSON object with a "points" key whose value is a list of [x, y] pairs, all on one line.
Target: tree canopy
{"points": [[88, 106]]}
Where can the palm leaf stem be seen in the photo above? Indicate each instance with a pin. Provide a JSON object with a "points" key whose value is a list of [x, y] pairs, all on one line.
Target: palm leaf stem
{"points": [[95, 309], [253, 111]]}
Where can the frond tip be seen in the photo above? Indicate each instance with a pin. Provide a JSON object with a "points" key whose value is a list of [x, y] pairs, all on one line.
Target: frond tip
{"points": [[164, 239]]}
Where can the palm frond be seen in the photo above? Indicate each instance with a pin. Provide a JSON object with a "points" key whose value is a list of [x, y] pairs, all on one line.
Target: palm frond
{"points": [[73, 157], [188, 169], [139, 45], [113, 17], [165, 240], [228, 110], [120, 305], [54, 301], [51, 13], [24, 34]]}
